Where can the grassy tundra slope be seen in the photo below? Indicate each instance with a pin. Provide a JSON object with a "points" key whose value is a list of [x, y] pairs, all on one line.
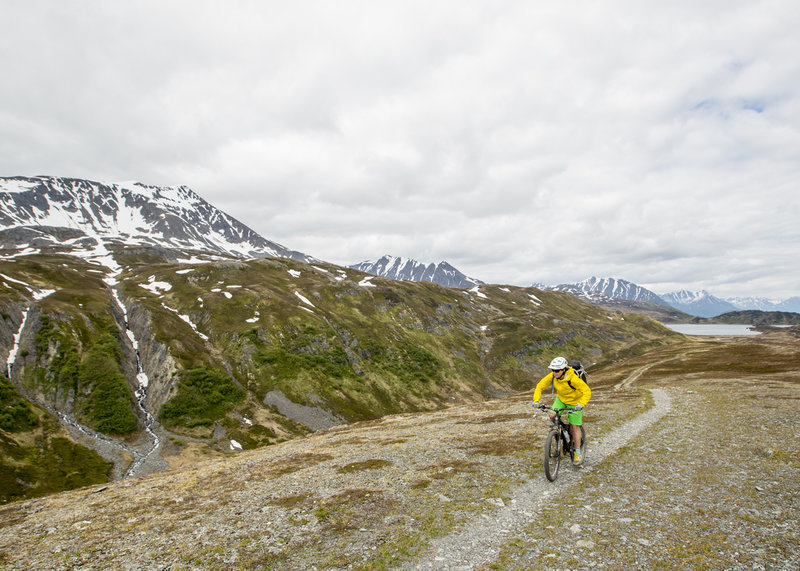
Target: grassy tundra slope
{"points": [[253, 353], [375, 494]]}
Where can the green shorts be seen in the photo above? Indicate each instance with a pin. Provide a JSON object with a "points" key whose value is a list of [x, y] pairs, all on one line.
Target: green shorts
{"points": [[575, 418]]}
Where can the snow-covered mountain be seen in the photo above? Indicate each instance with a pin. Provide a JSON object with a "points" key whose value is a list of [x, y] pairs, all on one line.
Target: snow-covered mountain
{"points": [[411, 270], [759, 303], [763, 304], [699, 303], [595, 289], [791, 304], [73, 215]]}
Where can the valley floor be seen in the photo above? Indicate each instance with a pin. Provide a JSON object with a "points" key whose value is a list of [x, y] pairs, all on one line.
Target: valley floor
{"points": [[711, 484]]}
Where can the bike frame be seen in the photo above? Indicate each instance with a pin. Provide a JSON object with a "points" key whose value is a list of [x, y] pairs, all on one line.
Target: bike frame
{"points": [[559, 442]]}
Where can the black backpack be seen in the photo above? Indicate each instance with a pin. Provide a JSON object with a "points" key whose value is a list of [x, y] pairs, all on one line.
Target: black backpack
{"points": [[578, 368]]}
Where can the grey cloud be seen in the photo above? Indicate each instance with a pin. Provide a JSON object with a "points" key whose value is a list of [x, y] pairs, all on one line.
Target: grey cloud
{"points": [[522, 142]]}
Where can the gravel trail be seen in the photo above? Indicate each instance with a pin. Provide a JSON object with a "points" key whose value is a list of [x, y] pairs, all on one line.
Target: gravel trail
{"points": [[479, 543]]}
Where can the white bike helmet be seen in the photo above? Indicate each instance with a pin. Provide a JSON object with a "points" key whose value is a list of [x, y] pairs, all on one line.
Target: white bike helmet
{"points": [[558, 363]]}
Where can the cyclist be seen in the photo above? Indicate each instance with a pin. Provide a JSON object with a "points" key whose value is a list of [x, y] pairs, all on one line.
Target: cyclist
{"points": [[571, 391]]}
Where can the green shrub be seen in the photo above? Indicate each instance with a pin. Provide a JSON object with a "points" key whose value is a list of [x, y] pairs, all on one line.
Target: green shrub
{"points": [[66, 363], [407, 361], [288, 364], [53, 465], [109, 404], [204, 395], [103, 394], [305, 350], [15, 412], [65, 465]]}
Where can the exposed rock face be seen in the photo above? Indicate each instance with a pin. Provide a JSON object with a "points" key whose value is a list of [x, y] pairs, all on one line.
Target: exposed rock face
{"points": [[314, 417], [155, 359], [10, 322], [47, 393]]}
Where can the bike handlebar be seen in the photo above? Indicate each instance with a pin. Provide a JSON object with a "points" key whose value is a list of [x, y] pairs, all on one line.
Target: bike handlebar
{"points": [[556, 410]]}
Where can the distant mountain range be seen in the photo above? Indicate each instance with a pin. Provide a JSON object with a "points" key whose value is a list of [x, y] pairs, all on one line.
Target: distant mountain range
{"points": [[411, 270], [603, 291], [597, 289], [697, 303]]}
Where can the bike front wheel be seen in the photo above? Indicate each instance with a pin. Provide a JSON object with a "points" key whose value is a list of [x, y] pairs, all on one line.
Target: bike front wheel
{"points": [[552, 455]]}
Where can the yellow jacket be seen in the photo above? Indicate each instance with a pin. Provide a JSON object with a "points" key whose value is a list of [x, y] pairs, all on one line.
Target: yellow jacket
{"points": [[568, 395]]}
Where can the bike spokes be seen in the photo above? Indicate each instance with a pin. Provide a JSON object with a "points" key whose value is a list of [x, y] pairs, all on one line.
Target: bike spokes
{"points": [[552, 455]]}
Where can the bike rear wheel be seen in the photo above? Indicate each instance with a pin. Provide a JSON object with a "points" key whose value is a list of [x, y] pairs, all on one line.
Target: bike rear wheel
{"points": [[552, 455]]}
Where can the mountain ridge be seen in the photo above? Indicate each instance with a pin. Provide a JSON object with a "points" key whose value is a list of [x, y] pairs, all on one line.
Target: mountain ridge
{"points": [[399, 268], [607, 291], [699, 303], [101, 214]]}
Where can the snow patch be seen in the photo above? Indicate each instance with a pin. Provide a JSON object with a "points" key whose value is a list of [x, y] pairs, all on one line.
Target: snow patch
{"points": [[303, 298], [42, 293], [156, 287], [476, 290], [188, 320], [12, 355]]}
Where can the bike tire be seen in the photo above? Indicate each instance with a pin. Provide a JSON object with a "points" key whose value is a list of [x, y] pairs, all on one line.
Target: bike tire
{"points": [[583, 444], [552, 455]]}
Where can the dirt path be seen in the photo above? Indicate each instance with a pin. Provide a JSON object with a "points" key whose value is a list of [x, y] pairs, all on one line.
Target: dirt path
{"points": [[637, 374], [479, 543]]}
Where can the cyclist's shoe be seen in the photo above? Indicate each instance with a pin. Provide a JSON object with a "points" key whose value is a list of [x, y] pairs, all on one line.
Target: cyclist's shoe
{"points": [[577, 459]]}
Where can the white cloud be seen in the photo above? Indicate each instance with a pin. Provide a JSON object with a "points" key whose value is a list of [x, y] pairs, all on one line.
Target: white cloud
{"points": [[522, 142]]}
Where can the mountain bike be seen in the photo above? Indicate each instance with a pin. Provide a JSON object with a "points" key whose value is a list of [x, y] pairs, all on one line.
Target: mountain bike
{"points": [[559, 441]]}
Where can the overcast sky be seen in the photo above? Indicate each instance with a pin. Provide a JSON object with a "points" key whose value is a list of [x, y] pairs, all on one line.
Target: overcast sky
{"points": [[521, 141]]}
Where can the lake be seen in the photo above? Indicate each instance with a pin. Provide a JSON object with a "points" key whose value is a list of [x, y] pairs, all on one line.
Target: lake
{"points": [[711, 329]]}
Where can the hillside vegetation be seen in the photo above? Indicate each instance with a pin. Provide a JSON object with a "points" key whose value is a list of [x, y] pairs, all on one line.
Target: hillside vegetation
{"points": [[752, 317], [711, 484], [242, 354]]}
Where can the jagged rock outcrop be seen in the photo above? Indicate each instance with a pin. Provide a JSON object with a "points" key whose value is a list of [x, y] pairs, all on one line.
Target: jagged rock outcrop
{"points": [[154, 357]]}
